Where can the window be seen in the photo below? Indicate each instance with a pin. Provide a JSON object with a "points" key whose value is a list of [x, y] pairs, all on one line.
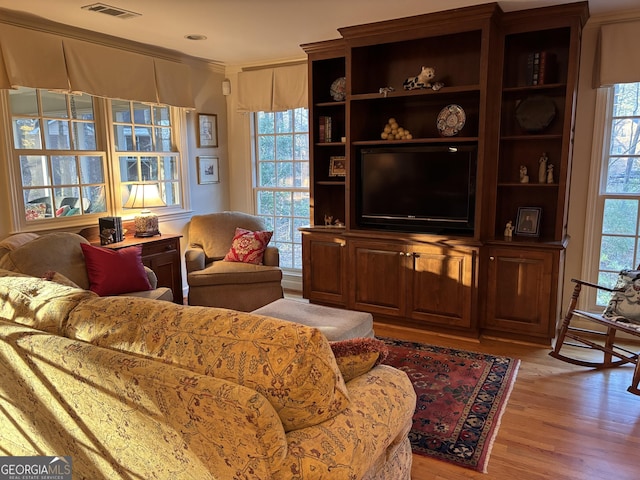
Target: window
{"points": [[64, 156], [62, 173], [619, 192], [282, 179], [144, 133]]}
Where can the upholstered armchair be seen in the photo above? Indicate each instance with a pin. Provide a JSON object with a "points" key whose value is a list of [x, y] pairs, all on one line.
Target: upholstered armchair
{"points": [[216, 282]]}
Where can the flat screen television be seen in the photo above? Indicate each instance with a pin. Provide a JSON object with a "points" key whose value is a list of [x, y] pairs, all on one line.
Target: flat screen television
{"points": [[427, 189]]}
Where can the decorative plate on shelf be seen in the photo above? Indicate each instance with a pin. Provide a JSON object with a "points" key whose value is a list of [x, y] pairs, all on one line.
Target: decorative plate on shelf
{"points": [[535, 113], [451, 119], [339, 89]]}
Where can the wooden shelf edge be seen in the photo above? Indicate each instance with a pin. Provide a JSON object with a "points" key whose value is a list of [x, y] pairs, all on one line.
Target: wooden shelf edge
{"points": [[417, 140], [416, 93], [528, 185]]}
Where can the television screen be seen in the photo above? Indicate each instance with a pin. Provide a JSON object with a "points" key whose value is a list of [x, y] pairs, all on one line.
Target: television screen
{"points": [[427, 188]]}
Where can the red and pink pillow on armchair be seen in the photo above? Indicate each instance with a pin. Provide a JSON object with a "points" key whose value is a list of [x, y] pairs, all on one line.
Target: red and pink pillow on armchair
{"points": [[248, 246]]}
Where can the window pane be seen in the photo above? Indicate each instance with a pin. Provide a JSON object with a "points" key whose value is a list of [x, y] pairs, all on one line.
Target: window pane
{"points": [[163, 139], [56, 135], [301, 174], [626, 101], [608, 279], [149, 168], [283, 203], [284, 148], [285, 174], [266, 148], [267, 174], [301, 147], [284, 229], [84, 135], [121, 111], [81, 107], [265, 203], [35, 172], [54, 104], [265, 122], [624, 136], [129, 169], [284, 122], [122, 138], [96, 195], [170, 193], [26, 133], [301, 118], [301, 206], [91, 170], [64, 170], [168, 168], [620, 216], [68, 203], [616, 253], [143, 139], [141, 113], [161, 116], [286, 254]]}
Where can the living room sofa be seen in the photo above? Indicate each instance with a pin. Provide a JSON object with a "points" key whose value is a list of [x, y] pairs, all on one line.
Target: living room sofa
{"points": [[136, 388], [61, 253]]}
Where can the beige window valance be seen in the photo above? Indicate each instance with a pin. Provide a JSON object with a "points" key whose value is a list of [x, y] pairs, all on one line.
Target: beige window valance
{"points": [[273, 89], [618, 57], [29, 58]]}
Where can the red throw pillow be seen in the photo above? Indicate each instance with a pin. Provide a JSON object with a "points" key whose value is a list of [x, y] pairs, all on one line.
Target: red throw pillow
{"points": [[248, 246], [112, 272]]}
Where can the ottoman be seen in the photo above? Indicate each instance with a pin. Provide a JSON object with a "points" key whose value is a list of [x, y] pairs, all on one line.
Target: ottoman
{"points": [[335, 323]]}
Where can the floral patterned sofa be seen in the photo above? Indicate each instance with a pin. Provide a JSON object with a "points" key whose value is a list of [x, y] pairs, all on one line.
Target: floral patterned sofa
{"points": [[135, 388]]}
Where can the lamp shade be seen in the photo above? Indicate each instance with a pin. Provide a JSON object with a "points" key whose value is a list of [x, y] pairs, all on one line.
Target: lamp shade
{"points": [[144, 195]]}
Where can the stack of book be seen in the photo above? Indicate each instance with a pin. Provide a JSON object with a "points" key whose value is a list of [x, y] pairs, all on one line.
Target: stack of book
{"points": [[541, 68], [324, 133]]}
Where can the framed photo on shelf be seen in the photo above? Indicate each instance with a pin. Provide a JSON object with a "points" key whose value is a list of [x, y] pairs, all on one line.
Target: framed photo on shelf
{"points": [[208, 170], [207, 130], [337, 166], [528, 222]]}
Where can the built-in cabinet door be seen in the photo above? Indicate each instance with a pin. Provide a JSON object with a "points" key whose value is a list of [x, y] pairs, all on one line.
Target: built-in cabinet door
{"points": [[519, 291], [325, 272], [377, 275], [441, 284]]}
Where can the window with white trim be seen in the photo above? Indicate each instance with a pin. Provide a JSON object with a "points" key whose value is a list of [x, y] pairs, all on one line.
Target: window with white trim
{"points": [[70, 161], [618, 199], [282, 179]]}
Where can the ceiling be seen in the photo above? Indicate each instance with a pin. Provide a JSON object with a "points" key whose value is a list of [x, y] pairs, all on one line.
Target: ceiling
{"points": [[242, 32]]}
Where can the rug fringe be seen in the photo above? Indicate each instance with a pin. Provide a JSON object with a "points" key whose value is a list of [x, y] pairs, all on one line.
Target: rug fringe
{"points": [[484, 461]]}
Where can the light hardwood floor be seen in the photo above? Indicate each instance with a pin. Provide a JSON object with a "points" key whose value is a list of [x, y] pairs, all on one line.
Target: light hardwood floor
{"points": [[562, 422]]}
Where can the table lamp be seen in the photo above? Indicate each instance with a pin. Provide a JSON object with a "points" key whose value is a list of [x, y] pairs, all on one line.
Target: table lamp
{"points": [[145, 195]]}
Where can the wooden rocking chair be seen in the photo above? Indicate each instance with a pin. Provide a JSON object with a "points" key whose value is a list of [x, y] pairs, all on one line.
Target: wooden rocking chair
{"points": [[604, 341]]}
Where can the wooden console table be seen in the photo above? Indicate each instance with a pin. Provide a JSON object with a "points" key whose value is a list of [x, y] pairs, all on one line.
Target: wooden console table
{"points": [[160, 253]]}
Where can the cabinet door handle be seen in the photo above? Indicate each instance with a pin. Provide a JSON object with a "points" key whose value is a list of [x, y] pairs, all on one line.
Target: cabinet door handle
{"points": [[492, 258], [343, 244], [402, 254]]}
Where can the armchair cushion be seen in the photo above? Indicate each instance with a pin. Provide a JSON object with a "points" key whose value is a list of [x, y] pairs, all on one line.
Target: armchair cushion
{"points": [[225, 273], [112, 272], [248, 246], [214, 232]]}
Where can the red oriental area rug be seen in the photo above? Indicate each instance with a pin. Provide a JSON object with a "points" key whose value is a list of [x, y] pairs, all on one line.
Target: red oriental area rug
{"points": [[460, 399]]}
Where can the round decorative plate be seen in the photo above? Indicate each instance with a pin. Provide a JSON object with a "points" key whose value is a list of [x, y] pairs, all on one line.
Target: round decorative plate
{"points": [[451, 120], [535, 113], [339, 89]]}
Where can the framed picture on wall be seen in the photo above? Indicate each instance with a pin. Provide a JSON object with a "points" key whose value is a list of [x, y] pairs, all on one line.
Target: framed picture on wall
{"points": [[208, 170], [207, 130], [528, 222]]}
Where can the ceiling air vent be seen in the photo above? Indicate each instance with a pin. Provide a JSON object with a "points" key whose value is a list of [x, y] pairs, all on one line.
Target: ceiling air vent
{"points": [[109, 10]]}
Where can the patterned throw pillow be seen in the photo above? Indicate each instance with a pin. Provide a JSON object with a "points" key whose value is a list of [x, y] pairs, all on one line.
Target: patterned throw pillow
{"points": [[625, 303], [357, 356], [248, 246]]}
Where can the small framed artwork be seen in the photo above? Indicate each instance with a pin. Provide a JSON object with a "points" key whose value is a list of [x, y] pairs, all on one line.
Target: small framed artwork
{"points": [[207, 130], [208, 170], [337, 166], [528, 222]]}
